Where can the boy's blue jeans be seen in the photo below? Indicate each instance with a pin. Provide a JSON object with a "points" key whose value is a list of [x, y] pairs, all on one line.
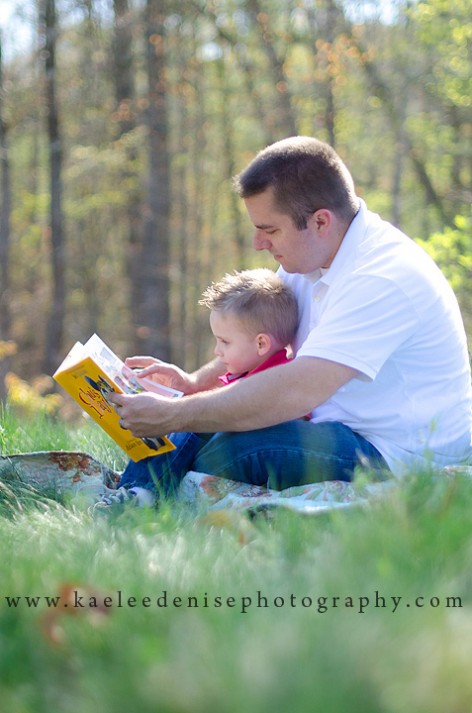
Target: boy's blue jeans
{"points": [[281, 456]]}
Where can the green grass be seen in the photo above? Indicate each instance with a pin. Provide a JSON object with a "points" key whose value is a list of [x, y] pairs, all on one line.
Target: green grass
{"points": [[356, 657], [21, 435]]}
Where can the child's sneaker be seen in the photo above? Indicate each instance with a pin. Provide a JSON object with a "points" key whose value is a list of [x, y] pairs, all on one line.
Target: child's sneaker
{"points": [[138, 496]]}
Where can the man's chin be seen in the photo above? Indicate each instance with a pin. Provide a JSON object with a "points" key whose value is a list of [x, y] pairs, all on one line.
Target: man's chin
{"points": [[280, 260], [290, 270]]}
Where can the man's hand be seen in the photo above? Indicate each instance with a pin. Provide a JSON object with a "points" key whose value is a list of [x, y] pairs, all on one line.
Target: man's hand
{"points": [[145, 414]]}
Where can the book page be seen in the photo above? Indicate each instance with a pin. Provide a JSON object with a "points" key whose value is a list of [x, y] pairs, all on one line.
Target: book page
{"points": [[121, 374]]}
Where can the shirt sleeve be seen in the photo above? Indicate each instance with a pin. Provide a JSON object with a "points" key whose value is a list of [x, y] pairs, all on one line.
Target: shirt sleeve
{"points": [[362, 326]]}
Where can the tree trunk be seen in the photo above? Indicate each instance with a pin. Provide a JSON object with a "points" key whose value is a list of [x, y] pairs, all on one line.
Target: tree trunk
{"points": [[55, 327], [125, 99], [284, 120], [230, 165], [5, 316], [152, 312]]}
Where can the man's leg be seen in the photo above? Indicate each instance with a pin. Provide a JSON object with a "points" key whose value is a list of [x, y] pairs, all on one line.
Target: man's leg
{"points": [[291, 453]]}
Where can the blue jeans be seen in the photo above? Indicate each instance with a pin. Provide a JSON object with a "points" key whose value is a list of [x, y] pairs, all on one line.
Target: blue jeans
{"points": [[281, 456], [163, 473]]}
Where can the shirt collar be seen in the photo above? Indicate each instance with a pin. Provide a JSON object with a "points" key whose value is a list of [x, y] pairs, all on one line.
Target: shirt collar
{"points": [[276, 359]]}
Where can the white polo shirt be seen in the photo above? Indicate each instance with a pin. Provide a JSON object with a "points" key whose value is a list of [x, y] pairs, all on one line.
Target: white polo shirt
{"points": [[385, 309]]}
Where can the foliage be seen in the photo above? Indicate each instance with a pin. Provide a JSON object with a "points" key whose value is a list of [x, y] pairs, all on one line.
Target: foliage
{"points": [[29, 399], [7, 349], [447, 28], [452, 250], [391, 91]]}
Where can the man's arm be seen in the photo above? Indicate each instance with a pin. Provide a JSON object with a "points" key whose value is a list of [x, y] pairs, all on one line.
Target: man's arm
{"points": [[280, 394]]}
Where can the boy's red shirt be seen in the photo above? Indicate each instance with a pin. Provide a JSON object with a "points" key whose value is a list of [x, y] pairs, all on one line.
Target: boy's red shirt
{"points": [[276, 359]]}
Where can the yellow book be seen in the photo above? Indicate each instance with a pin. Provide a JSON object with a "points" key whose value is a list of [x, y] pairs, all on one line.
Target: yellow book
{"points": [[89, 372]]}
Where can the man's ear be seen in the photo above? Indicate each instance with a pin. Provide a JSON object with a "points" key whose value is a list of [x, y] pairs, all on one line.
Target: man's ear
{"points": [[264, 344], [321, 219]]}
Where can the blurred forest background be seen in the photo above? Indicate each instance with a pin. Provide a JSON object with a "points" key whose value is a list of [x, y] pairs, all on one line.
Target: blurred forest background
{"points": [[122, 123]]}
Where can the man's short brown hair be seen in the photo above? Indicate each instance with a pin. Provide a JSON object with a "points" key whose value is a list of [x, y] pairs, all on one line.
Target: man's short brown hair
{"points": [[305, 174]]}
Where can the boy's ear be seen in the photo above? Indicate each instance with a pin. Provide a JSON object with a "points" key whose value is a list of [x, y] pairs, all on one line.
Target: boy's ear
{"points": [[264, 344]]}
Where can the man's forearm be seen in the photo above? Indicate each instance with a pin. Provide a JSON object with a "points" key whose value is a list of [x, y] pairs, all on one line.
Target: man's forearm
{"points": [[280, 394], [265, 399]]}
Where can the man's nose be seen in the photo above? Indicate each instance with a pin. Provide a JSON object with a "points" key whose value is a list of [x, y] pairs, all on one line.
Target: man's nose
{"points": [[260, 240]]}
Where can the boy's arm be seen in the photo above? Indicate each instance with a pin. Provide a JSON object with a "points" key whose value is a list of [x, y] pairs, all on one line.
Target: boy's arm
{"points": [[280, 394], [204, 379]]}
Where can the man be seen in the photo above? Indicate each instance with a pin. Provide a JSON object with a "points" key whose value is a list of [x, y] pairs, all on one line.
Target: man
{"points": [[381, 358]]}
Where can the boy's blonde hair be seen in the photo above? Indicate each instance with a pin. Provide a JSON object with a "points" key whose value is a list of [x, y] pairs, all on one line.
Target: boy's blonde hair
{"points": [[260, 299]]}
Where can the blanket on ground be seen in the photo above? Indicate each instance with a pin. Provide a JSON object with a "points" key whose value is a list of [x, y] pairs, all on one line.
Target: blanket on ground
{"points": [[85, 479]]}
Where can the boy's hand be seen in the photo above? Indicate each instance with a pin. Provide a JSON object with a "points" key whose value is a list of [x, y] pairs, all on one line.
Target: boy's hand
{"points": [[162, 372]]}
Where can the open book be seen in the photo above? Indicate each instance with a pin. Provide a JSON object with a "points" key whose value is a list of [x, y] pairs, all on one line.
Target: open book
{"points": [[89, 372]]}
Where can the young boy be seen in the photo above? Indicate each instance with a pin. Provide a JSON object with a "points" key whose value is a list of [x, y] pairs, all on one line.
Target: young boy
{"points": [[253, 317]]}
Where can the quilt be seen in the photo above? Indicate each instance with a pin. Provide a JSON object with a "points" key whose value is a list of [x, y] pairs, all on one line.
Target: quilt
{"points": [[83, 479]]}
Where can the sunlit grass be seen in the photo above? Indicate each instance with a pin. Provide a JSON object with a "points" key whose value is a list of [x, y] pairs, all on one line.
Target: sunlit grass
{"points": [[351, 611], [20, 434]]}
